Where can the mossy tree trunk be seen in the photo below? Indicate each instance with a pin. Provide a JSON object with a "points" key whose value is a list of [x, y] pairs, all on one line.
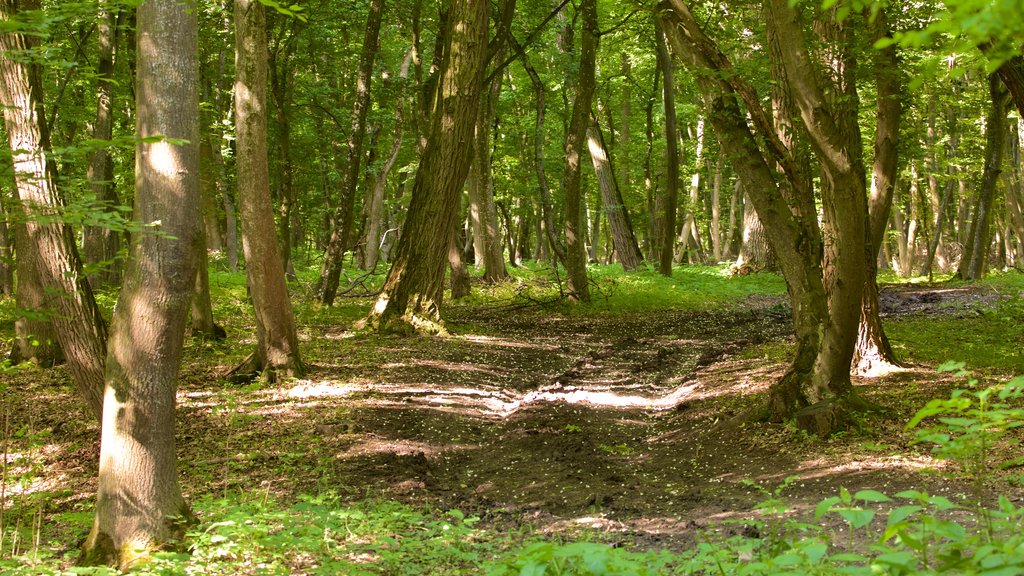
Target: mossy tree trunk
{"points": [[139, 506]]}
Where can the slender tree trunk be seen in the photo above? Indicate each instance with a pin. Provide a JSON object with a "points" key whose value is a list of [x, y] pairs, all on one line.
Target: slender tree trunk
{"points": [[546, 223], [139, 507], [101, 245], [575, 138], [460, 287], [716, 211], [665, 203], [341, 229], [80, 327], [623, 238], [411, 295], [974, 262], [277, 347], [690, 247], [483, 214]]}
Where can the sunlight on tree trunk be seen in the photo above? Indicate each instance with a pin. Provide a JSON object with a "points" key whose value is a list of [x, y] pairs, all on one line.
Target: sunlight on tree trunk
{"points": [[139, 506]]}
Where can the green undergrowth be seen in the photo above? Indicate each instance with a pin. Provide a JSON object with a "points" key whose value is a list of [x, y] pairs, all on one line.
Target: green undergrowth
{"points": [[988, 336], [690, 287]]}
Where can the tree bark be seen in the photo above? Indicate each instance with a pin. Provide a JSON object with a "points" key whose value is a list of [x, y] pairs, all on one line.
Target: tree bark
{"points": [[277, 348], [80, 327], [873, 351], [7, 251], [974, 262], [483, 213], [139, 507], [665, 203], [623, 237], [341, 228], [101, 245], [575, 137], [411, 296], [35, 338]]}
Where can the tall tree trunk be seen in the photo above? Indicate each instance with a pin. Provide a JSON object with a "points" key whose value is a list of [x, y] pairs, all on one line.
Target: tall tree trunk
{"points": [[623, 238], [941, 204], [665, 203], [974, 262], [139, 506], [690, 248], [831, 127], [716, 211], [277, 346], [101, 245], [282, 81], [483, 214], [80, 327], [341, 229], [575, 138], [873, 351], [460, 287], [546, 236], [411, 294]]}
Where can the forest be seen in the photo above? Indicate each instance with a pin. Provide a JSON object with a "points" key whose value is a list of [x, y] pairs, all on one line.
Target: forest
{"points": [[502, 287]]}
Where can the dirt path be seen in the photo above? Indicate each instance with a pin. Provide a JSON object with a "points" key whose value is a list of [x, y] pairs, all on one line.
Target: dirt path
{"points": [[606, 422]]}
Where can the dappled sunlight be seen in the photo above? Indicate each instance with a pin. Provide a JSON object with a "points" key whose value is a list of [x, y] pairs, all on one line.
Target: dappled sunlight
{"points": [[373, 445], [821, 468], [508, 343]]}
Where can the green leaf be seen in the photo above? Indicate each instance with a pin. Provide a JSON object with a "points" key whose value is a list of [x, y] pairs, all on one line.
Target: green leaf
{"points": [[871, 496], [856, 517], [901, 513]]}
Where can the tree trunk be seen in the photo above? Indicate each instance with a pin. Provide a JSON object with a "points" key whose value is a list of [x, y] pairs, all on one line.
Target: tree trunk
{"points": [[277, 347], [546, 237], [665, 203], [575, 138], [483, 214], [6, 248], [974, 262], [341, 229], [201, 314], [35, 338], [460, 287], [139, 507], [101, 245], [80, 327], [282, 81], [623, 238], [690, 248], [411, 295], [873, 351], [716, 211], [755, 251]]}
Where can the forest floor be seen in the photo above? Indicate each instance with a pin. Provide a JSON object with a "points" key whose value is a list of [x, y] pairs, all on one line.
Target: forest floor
{"points": [[616, 423]]}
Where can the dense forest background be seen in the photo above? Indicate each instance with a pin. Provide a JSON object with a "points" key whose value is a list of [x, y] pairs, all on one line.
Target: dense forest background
{"points": [[715, 219]]}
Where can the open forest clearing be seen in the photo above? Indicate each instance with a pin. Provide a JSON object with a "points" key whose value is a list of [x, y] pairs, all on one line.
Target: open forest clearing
{"points": [[619, 424]]}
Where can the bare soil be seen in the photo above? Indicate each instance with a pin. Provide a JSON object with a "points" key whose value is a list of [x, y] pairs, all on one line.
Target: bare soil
{"points": [[613, 422]]}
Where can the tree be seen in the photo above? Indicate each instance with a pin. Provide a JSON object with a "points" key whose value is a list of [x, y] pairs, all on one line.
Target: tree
{"points": [[623, 238], [330, 273], [80, 327], [665, 204], [277, 345], [575, 139], [139, 506], [825, 326], [973, 263], [101, 244], [412, 293]]}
